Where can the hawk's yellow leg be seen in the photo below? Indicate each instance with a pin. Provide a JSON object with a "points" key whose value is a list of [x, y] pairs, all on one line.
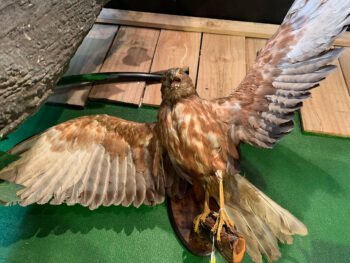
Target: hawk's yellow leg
{"points": [[204, 214], [223, 218]]}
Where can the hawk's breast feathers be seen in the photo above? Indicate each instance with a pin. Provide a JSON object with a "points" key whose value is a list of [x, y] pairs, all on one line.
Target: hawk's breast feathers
{"points": [[192, 134]]}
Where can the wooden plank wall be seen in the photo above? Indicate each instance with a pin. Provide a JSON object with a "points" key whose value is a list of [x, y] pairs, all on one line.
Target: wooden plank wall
{"points": [[195, 24], [222, 65], [328, 110], [345, 65], [217, 59], [174, 49], [88, 59], [252, 48], [132, 51]]}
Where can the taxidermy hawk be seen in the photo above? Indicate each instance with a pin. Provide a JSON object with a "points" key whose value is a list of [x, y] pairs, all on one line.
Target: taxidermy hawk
{"points": [[103, 160]]}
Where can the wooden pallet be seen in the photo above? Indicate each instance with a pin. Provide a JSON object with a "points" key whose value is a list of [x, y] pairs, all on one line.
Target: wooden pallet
{"points": [[218, 52]]}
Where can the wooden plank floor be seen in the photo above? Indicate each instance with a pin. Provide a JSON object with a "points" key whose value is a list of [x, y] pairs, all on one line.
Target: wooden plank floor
{"points": [[218, 53]]}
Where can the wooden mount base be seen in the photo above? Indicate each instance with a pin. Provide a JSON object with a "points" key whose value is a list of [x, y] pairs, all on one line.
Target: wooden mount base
{"points": [[182, 213]]}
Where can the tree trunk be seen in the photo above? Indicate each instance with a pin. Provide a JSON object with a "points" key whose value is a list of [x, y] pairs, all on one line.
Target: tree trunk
{"points": [[38, 39]]}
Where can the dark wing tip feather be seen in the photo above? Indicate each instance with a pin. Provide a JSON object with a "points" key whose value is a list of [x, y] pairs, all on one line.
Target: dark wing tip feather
{"points": [[292, 63]]}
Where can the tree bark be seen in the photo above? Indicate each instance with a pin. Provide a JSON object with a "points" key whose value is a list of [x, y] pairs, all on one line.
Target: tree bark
{"points": [[38, 39]]}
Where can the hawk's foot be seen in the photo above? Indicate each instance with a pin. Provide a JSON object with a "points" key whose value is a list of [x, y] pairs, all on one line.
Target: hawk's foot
{"points": [[200, 217], [221, 220], [204, 214]]}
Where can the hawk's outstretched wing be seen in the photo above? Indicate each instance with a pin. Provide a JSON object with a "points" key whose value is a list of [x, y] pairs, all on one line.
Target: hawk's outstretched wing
{"points": [[93, 160], [293, 61]]}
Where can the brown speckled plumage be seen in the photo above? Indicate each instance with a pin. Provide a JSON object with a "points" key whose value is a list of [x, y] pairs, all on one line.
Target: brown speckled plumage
{"points": [[103, 160]]}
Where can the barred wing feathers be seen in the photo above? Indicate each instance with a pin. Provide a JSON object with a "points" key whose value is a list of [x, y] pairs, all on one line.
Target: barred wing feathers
{"points": [[92, 160], [261, 221], [293, 62]]}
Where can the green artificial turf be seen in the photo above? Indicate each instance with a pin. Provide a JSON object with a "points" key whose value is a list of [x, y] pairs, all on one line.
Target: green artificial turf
{"points": [[307, 174]]}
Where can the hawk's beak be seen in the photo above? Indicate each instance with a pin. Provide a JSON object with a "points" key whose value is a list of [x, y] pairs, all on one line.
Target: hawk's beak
{"points": [[175, 78], [175, 81]]}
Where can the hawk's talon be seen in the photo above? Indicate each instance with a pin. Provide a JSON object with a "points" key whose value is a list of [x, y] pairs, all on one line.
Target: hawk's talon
{"points": [[204, 214], [199, 218], [221, 220]]}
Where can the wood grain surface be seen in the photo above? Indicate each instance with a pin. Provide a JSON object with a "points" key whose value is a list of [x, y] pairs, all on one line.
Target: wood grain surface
{"points": [[132, 51], [88, 59], [252, 47], [195, 24], [174, 49], [328, 111], [345, 66], [222, 65]]}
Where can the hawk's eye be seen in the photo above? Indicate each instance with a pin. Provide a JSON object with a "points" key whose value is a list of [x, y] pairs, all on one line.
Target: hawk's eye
{"points": [[164, 78]]}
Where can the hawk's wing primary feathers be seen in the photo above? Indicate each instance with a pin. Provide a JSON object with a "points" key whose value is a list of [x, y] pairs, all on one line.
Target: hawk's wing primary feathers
{"points": [[92, 160], [293, 61]]}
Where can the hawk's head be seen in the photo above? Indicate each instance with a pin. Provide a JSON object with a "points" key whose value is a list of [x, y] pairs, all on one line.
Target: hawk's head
{"points": [[176, 84]]}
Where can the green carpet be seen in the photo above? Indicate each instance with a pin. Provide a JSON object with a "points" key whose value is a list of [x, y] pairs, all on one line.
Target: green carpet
{"points": [[307, 174]]}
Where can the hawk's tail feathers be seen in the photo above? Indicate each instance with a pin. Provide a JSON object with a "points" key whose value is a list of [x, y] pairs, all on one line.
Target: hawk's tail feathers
{"points": [[260, 219]]}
